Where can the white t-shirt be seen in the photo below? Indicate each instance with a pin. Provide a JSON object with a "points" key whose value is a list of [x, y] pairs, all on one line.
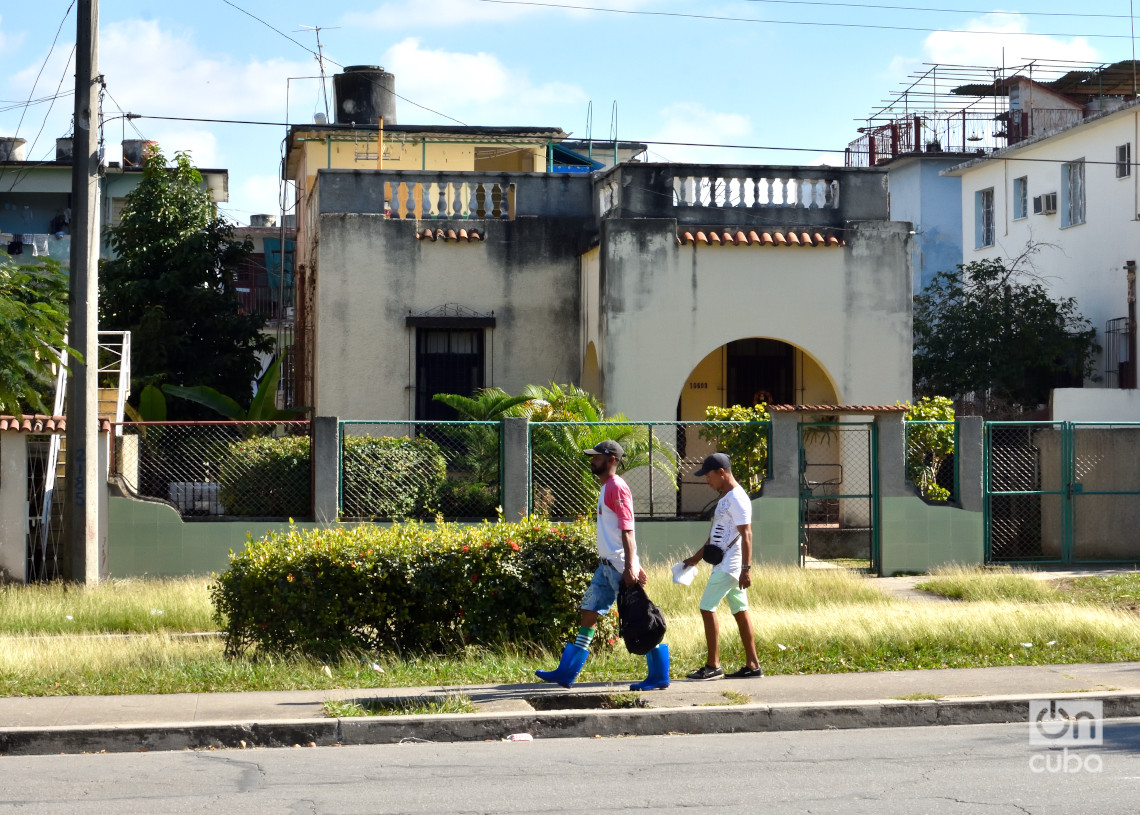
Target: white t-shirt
{"points": [[615, 515], [734, 509]]}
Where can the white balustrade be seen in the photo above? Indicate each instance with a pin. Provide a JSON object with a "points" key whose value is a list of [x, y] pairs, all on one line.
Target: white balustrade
{"points": [[733, 189], [434, 198]]}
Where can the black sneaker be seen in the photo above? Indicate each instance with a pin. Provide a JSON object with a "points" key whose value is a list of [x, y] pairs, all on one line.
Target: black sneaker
{"points": [[705, 673], [746, 673]]}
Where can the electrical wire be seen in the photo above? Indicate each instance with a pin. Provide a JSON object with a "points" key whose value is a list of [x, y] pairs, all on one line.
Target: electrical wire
{"points": [[943, 10], [23, 172], [39, 73], [820, 23], [318, 56]]}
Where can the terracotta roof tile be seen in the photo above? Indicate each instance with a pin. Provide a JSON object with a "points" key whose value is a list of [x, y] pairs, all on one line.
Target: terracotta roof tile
{"points": [[737, 237], [39, 423], [439, 234]]}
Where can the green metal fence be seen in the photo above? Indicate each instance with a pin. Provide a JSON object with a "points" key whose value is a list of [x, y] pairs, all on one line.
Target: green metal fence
{"points": [[839, 507], [393, 470], [660, 460], [1062, 492]]}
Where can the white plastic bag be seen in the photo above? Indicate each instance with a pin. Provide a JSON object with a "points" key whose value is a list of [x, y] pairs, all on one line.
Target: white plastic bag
{"points": [[683, 574]]}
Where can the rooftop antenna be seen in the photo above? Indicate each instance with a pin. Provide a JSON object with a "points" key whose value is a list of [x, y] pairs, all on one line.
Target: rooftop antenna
{"points": [[320, 56]]}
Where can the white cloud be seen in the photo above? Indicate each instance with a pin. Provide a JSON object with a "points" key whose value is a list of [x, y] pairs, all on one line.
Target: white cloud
{"points": [[474, 88], [987, 36], [254, 195], [10, 40], [690, 123], [437, 13], [158, 71]]}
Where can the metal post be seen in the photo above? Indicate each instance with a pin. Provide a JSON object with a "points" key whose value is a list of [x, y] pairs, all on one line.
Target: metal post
{"points": [[83, 398]]}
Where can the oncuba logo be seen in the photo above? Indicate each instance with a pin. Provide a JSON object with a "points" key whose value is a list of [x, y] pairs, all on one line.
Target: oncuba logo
{"points": [[1065, 724], [1068, 723]]}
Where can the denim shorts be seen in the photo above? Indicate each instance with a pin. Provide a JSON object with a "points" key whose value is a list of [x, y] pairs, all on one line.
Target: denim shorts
{"points": [[603, 590]]}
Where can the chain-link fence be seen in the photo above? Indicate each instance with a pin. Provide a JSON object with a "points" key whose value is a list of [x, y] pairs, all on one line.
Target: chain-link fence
{"points": [[930, 461], [660, 459], [213, 469], [421, 470]]}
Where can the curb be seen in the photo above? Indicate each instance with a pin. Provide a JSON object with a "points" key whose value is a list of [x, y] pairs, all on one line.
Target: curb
{"points": [[456, 727]]}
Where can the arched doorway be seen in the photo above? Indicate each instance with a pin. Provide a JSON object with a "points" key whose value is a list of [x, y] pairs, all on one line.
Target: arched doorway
{"points": [[752, 369]]}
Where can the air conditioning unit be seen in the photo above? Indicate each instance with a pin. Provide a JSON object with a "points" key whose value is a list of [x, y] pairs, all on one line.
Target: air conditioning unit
{"points": [[1045, 204]]}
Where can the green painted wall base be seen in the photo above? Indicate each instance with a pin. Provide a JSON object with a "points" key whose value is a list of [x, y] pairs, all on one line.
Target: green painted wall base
{"points": [[915, 536], [150, 539]]}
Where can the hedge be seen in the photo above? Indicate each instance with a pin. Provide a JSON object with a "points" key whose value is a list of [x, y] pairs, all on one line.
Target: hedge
{"points": [[267, 477], [387, 477], [408, 588]]}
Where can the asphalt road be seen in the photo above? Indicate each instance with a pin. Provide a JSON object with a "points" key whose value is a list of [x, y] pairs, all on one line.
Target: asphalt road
{"points": [[990, 769]]}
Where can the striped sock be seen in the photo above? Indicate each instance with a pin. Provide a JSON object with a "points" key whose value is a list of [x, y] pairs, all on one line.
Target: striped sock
{"points": [[585, 635]]}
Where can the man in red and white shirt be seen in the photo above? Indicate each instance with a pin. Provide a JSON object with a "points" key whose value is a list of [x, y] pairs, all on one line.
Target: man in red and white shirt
{"points": [[617, 551]]}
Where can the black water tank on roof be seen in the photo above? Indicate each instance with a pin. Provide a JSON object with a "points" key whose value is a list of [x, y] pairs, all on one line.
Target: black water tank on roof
{"points": [[364, 93]]}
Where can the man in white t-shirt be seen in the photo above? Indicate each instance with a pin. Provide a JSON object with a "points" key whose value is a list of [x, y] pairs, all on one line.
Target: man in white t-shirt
{"points": [[731, 534]]}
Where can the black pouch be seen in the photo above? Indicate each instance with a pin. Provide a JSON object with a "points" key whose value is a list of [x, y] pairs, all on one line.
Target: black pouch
{"points": [[712, 554]]}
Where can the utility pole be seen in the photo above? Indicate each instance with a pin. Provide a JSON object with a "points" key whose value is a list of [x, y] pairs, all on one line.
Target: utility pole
{"points": [[82, 456]]}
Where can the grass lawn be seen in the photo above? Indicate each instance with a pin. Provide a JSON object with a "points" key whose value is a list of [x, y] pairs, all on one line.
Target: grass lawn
{"points": [[131, 636]]}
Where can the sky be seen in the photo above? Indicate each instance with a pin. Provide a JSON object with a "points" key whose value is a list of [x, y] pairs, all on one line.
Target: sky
{"points": [[787, 74]]}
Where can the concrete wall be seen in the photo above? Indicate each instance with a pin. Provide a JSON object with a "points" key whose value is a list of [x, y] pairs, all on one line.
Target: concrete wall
{"points": [[13, 507], [1095, 405], [665, 307], [373, 273], [932, 203]]}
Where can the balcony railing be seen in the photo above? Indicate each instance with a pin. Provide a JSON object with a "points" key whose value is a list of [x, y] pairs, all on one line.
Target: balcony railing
{"points": [[954, 131], [740, 194]]}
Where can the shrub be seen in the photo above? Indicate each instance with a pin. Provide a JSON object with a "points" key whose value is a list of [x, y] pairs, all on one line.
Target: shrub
{"points": [[930, 445], [267, 477], [386, 477], [468, 499], [411, 587], [745, 444]]}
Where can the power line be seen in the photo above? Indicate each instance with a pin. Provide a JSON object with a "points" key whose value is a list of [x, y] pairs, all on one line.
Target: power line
{"points": [[820, 23], [40, 73], [944, 10], [318, 56]]}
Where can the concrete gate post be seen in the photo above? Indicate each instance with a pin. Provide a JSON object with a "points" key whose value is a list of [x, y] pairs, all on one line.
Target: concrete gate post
{"points": [[516, 468], [14, 506], [326, 469], [970, 463]]}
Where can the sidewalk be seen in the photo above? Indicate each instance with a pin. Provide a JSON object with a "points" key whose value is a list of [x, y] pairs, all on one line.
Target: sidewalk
{"points": [[73, 724]]}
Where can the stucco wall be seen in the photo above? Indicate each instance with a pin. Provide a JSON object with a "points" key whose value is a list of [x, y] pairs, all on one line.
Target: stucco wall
{"points": [[665, 307], [932, 204], [373, 272]]}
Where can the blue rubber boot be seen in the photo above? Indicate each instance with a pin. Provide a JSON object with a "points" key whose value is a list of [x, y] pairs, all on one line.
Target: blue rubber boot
{"points": [[573, 658], [657, 661]]}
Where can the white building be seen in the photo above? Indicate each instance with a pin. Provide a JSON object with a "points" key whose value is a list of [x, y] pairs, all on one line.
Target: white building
{"points": [[1074, 192]]}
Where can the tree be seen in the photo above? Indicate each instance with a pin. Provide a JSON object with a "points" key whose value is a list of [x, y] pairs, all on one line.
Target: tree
{"points": [[33, 324], [991, 330], [172, 284]]}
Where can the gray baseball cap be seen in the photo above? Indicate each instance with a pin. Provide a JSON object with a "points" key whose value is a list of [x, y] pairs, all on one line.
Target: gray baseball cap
{"points": [[606, 448]]}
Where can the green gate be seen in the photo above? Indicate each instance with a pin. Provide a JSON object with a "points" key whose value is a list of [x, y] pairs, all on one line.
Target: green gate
{"points": [[1062, 492], [839, 507]]}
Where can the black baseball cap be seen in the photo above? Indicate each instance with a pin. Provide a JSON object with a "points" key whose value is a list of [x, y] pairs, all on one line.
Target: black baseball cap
{"points": [[606, 448], [717, 461]]}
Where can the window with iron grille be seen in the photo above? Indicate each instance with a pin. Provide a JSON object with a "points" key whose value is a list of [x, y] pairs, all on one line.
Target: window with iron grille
{"points": [[1124, 160], [1021, 197], [1073, 193], [984, 218], [448, 360]]}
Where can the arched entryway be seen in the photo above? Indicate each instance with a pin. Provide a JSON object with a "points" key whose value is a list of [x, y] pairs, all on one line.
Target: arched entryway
{"points": [[754, 369]]}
